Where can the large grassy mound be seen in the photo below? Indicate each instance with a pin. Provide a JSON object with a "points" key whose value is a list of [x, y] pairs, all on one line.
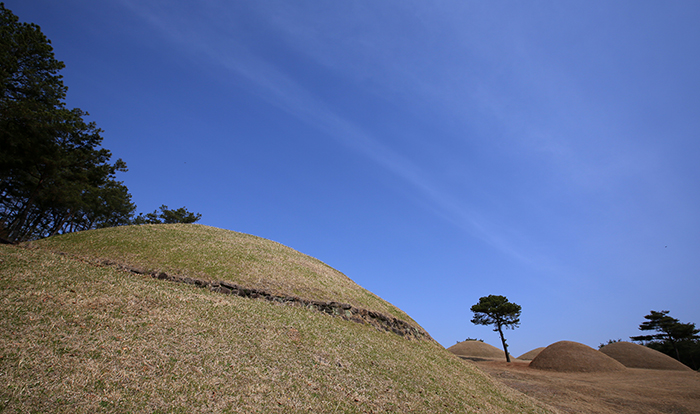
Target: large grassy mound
{"points": [[77, 337]]}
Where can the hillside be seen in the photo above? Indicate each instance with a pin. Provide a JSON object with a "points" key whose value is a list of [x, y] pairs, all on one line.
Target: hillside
{"points": [[80, 332], [219, 255]]}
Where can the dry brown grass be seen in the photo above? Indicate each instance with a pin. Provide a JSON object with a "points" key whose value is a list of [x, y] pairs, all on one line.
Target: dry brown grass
{"points": [[630, 391], [80, 338]]}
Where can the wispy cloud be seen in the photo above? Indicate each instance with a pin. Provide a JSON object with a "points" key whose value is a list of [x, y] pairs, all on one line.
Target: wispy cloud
{"points": [[471, 63], [280, 90]]}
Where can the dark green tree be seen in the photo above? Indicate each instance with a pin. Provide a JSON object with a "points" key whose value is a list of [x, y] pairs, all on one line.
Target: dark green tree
{"points": [[669, 330], [164, 215], [497, 311], [54, 176]]}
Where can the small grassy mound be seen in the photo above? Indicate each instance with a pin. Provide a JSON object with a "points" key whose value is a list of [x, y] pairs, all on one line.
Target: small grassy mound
{"points": [[567, 356], [476, 349], [77, 338], [530, 355], [638, 356]]}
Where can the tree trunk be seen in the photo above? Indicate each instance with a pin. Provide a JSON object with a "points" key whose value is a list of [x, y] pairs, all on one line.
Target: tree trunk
{"points": [[60, 223], [503, 341], [31, 224], [16, 227], [675, 347]]}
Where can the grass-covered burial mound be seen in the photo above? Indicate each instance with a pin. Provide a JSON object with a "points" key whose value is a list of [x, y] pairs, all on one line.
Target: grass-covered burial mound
{"points": [[639, 356], [568, 356], [476, 349]]}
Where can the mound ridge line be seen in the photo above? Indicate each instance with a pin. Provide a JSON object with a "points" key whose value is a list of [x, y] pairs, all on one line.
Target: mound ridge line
{"points": [[380, 321]]}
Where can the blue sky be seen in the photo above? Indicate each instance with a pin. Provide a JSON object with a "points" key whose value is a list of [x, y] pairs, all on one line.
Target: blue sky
{"points": [[435, 152]]}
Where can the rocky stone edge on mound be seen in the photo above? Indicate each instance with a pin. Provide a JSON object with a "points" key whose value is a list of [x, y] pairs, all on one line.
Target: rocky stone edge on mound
{"points": [[345, 311]]}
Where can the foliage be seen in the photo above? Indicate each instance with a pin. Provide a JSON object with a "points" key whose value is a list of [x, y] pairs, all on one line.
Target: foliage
{"points": [[54, 176], [671, 332], [472, 339], [167, 216], [497, 311]]}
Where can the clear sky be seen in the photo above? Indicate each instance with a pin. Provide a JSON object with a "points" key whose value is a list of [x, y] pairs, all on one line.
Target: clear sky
{"points": [[435, 152]]}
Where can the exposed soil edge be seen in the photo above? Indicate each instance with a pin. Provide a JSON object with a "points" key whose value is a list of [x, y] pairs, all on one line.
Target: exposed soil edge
{"points": [[345, 311]]}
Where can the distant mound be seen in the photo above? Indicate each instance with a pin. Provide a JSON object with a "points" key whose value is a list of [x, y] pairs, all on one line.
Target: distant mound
{"points": [[476, 349], [568, 356], [530, 355], [639, 356]]}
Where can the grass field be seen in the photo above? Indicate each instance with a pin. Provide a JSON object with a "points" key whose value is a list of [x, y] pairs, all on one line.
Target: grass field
{"points": [[75, 337]]}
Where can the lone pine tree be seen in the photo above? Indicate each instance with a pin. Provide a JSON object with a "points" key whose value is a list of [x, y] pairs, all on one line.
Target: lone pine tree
{"points": [[497, 311]]}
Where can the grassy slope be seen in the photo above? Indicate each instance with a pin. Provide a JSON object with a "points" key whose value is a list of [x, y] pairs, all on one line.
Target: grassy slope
{"points": [[80, 338], [217, 254]]}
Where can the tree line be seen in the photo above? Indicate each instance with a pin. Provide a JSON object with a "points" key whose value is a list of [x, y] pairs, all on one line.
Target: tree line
{"points": [[55, 177]]}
